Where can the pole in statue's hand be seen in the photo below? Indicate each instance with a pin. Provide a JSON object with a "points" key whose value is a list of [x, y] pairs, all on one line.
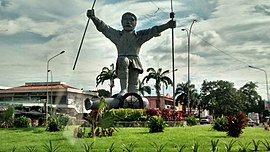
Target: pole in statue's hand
{"points": [[83, 38]]}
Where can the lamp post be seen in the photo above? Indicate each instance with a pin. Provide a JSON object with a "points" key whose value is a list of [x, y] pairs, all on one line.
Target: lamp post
{"points": [[47, 73], [51, 89], [188, 52], [266, 81]]}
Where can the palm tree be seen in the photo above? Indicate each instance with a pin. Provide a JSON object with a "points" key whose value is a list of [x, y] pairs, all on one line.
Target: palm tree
{"points": [[160, 77], [181, 94], [107, 74], [196, 101], [143, 88]]}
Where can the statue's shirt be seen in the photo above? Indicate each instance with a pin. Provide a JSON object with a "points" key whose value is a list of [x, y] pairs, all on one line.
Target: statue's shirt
{"points": [[128, 44]]}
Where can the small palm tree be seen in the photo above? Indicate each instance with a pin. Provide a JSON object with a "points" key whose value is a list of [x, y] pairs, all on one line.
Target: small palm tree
{"points": [[107, 74], [181, 94], [143, 88], [160, 77]]}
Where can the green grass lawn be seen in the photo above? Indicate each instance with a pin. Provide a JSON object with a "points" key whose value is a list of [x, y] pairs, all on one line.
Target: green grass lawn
{"points": [[38, 137]]}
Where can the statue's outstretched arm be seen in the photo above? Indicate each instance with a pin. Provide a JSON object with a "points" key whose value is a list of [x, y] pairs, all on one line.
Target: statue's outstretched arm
{"points": [[91, 14], [169, 24]]}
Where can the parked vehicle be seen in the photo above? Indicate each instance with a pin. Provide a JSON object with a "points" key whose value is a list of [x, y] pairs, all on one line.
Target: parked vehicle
{"points": [[252, 123], [204, 120]]}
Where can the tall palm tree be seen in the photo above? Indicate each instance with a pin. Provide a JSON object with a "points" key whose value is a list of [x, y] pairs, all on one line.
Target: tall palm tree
{"points": [[107, 74], [160, 77], [143, 88]]}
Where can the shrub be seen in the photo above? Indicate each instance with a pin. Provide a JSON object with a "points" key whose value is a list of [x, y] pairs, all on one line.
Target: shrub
{"points": [[21, 122], [266, 144], [56, 123], [135, 114], [158, 148], [50, 147], [120, 114], [100, 132], [128, 114], [171, 115], [228, 146], [191, 121], [152, 112], [220, 124], [156, 124], [7, 118], [101, 120], [236, 124], [64, 120]]}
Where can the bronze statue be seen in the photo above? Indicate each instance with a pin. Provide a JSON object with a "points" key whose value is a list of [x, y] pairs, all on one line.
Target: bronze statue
{"points": [[128, 44]]}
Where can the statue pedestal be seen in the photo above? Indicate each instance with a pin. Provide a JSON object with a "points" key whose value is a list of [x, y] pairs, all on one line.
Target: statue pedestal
{"points": [[129, 100]]}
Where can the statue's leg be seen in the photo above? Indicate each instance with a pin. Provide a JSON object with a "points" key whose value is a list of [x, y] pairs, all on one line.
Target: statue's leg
{"points": [[123, 63], [133, 81]]}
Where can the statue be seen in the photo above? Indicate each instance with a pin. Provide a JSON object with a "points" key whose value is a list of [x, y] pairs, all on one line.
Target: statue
{"points": [[128, 44]]}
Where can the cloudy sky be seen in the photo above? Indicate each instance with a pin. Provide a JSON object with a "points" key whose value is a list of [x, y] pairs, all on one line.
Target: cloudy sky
{"points": [[229, 36]]}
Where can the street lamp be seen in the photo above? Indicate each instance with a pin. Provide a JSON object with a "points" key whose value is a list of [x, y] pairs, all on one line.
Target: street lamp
{"points": [[47, 72], [188, 52], [51, 88], [266, 81]]}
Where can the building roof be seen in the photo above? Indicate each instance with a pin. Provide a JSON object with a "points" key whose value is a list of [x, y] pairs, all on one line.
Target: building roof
{"points": [[167, 98], [42, 86]]}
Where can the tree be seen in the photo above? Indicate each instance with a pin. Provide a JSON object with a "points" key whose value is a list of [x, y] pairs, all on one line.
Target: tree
{"points": [[143, 88], [103, 93], [221, 98], [251, 98], [181, 94], [159, 77], [196, 102], [107, 74]]}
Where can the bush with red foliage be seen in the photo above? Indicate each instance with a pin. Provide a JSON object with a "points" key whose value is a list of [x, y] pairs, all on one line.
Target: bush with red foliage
{"points": [[166, 114], [235, 124], [152, 112], [171, 115]]}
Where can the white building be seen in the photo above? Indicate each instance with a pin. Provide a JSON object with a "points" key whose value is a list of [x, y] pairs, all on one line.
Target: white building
{"points": [[63, 98]]}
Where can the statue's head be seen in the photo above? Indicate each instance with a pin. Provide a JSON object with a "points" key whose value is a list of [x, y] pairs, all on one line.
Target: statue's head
{"points": [[129, 21]]}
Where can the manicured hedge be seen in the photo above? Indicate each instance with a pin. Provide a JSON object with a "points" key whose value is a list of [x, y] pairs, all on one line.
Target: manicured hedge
{"points": [[145, 114]]}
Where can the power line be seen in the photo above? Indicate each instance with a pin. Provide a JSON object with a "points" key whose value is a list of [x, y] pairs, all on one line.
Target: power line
{"points": [[157, 7], [220, 49]]}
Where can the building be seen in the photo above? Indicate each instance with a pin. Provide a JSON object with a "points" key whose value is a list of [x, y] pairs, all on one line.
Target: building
{"points": [[166, 102], [61, 97]]}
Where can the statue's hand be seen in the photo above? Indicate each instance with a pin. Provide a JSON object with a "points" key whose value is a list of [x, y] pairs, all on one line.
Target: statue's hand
{"points": [[90, 13], [171, 24]]}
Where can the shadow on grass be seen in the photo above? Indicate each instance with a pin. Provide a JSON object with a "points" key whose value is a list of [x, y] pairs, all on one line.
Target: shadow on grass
{"points": [[34, 130], [148, 133], [219, 136]]}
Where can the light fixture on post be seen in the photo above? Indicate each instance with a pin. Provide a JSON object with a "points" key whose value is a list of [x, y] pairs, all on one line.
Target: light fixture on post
{"points": [[47, 73], [266, 106], [188, 58]]}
